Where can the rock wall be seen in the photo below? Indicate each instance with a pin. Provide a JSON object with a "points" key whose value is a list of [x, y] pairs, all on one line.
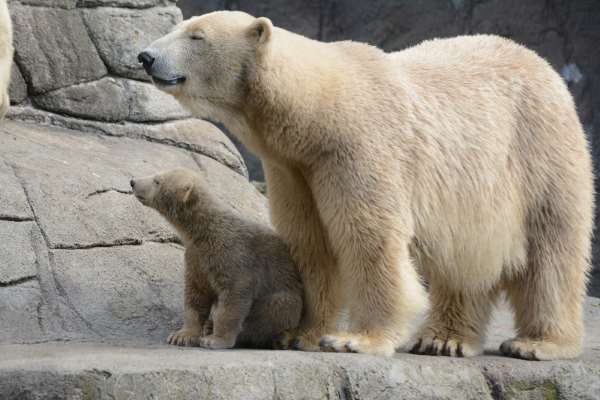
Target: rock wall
{"points": [[565, 32], [80, 258]]}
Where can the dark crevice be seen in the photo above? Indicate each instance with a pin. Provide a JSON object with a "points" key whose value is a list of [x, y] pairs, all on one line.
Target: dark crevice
{"points": [[11, 218], [117, 243], [493, 386], [16, 282], [101, 191]]}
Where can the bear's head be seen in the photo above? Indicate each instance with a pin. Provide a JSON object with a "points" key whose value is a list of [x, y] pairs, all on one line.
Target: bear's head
{"points": [[172, 193], [204, 61]]}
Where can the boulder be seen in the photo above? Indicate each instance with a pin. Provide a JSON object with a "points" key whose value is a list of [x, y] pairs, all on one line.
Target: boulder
{"points": [[53, 48], [120, 34]]}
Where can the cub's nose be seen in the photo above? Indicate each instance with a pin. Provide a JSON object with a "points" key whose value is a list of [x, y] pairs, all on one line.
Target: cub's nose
{"points": [[146, 59], [132, 183]]}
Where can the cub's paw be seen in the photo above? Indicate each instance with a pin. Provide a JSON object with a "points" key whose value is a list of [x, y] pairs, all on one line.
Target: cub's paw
{"points": [[184, 337], [444, 346], [354, 343], [295, 340], [540, 350], [214, 342]]}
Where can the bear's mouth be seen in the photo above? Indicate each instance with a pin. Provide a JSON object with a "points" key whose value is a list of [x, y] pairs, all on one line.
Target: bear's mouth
{"points": [[174, 81]]}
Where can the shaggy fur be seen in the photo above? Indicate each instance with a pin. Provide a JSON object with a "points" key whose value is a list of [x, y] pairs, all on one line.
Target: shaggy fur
{"points": [[459, 161], [6, 56], [241, 270]]}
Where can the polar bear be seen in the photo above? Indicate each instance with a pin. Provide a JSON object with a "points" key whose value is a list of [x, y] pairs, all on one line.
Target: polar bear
{"points": [[460, 162], [241, 270], [6, 56]]}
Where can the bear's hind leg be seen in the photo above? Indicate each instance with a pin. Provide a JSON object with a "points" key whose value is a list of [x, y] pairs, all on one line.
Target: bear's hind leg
{"points": [[547, 301], [456, 323]]}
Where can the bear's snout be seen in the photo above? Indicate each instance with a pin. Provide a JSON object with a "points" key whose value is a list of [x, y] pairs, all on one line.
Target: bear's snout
{"points": [[132, 183], [147, 60]]}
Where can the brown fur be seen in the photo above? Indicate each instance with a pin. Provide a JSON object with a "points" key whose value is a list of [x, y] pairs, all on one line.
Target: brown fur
{"points": [[6, 56], [240, 269], [458, 160]]}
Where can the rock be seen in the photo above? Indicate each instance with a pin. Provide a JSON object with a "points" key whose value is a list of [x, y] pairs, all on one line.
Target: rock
{"points": [[19, 307], [18, 88], [17, 254], [113, 100], [141, 295], [125, 3], [53, 48], [13, 202], [66, 4], [68, 221], [120, 35], [103, 100]]}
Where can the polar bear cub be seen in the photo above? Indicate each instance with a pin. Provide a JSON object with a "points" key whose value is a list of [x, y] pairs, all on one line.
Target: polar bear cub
{"points": [[241, 270]]}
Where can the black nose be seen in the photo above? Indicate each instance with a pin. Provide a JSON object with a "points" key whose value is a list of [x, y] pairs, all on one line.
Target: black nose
{"points": [[146, 59], [132, 183]]}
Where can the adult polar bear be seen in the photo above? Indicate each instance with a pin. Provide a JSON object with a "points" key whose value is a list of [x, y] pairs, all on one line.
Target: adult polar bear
{"points": [[461, 160], [6, 56]]}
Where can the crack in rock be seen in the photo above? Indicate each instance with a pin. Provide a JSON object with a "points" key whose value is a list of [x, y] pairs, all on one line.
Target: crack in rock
{"points": [[116, 243], [12, 218], [101, 191], [16, 282]]}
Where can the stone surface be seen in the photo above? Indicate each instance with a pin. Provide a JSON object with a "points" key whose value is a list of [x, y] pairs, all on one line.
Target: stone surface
{"points": [[53, 48], [17, 253], [68, 222], [124, 3], [18, 87], [113, 100], [13, 202], [120, 34], [195, 135]]}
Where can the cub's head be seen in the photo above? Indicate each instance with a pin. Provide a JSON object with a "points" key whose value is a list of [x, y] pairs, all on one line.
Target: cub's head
{"points": [[204, 61], [170, 192]]}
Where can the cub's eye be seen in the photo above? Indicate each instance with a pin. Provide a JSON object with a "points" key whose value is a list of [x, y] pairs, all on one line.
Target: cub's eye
{"points": [[156, 182], [196, 36]]}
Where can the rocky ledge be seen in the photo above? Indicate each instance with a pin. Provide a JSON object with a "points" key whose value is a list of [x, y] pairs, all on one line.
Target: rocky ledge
{"points": [[131, 371]]}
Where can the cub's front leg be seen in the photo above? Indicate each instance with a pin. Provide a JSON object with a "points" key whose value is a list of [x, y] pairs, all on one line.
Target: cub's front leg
{"points": [[197, 305], [232, 308]]}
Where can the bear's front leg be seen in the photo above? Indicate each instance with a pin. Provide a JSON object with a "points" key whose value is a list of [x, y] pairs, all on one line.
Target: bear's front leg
{"points": [[296, 219], [232, 309], [369, 223], [199, 298]]}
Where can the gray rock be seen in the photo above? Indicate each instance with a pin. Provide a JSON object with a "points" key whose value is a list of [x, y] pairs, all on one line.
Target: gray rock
{"points": [[17, 254], [120, 34], [18, 87], [59, 370], [124, 3], [66, 4], [19, 308], [113, 100], [103, 100], [53, 48], [141, 295], [195, 135], [13, 202]]}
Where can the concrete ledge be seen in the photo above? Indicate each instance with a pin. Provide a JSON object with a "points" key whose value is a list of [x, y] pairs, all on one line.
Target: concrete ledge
{"points": [[101, 371]]}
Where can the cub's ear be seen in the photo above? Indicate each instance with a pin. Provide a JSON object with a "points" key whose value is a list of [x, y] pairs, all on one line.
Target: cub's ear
{"points": [[188, 194], [260, 30]]}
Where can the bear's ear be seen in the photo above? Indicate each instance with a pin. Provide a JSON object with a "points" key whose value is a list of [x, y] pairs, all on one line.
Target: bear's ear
{"points": [[260, 30], [187, 194]]}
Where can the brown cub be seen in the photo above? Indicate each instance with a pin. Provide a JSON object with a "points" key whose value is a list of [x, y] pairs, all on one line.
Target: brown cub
{"points": [[241, 270]]}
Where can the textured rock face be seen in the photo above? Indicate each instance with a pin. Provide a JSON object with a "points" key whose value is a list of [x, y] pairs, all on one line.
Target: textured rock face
{"points": [[80, 258], [564, 32], [79, 58]]}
